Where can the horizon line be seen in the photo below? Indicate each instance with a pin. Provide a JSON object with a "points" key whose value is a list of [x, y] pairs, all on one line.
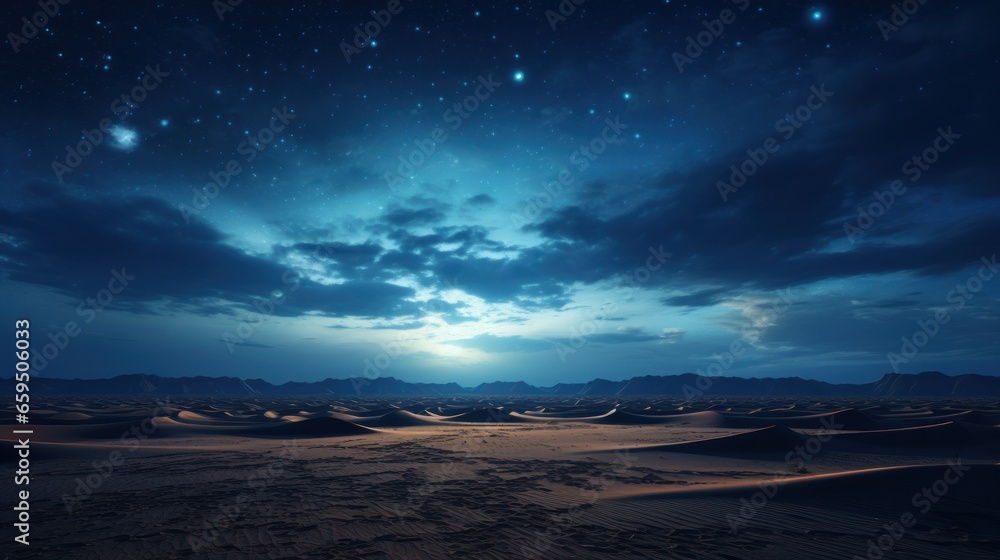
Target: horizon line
{"points": [[883, 376]]}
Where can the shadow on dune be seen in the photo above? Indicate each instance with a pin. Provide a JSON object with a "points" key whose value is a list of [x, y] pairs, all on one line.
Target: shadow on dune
{"points": [[398, 419], [311, 427], [770, 440], [943, 435]]}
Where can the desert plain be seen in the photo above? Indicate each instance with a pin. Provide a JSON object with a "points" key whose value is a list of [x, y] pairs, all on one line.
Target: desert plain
{"points": [[510, 477]]}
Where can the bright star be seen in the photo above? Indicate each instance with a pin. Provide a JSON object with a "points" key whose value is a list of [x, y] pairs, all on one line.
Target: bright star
{"points": [[164, 122], [817, 15], [627, 95], [518, 76], [124, 139]]}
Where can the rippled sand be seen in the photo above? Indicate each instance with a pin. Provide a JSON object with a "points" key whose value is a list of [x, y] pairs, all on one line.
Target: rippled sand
{"points": [[522, 478]]}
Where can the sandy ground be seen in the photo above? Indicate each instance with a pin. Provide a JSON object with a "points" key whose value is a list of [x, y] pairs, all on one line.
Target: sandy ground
{"points": [[454, 478]]}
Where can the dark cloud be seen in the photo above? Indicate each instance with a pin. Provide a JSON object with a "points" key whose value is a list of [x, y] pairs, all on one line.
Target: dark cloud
{"points": [[404, 217], [889, 304], [629, 335], [342, 260], [172, 262], [701, 298], [502, 344], [625, 337], [481, 200], [246, 343], [411, 325], [766, 237], [449, 312]]}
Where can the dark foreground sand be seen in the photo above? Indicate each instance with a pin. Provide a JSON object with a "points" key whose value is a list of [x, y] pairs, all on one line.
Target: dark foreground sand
{"points": [[510, 478]]}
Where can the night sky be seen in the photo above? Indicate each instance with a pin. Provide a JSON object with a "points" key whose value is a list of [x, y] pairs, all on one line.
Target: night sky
{"points": [[487, 191]]}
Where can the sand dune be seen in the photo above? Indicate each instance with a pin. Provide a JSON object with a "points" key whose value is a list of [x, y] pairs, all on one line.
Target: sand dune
{"points": [[946, 434], [900, 480], [847, 419], [399, 418], [502, 478], [484, 415], [622, 417], [309, 427], [773, 439]]}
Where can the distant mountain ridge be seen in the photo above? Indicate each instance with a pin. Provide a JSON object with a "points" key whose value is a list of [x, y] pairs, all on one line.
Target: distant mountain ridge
{"points": [[927, 384]]}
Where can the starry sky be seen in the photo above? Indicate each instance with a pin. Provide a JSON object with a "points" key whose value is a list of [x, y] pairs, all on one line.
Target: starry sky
{"points": [[473, 191]]}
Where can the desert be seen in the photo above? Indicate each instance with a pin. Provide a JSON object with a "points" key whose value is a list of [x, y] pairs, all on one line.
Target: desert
{"points": [[513, 477]]}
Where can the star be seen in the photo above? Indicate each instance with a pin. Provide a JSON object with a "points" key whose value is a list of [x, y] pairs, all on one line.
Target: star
{"points": [[124, 139], [518, 76]]}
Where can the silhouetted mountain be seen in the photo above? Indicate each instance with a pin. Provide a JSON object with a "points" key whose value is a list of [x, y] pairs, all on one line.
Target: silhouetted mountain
{"points": [[927, 384], [365, 386], [690, 384], [509, 388], [935, 383]]}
